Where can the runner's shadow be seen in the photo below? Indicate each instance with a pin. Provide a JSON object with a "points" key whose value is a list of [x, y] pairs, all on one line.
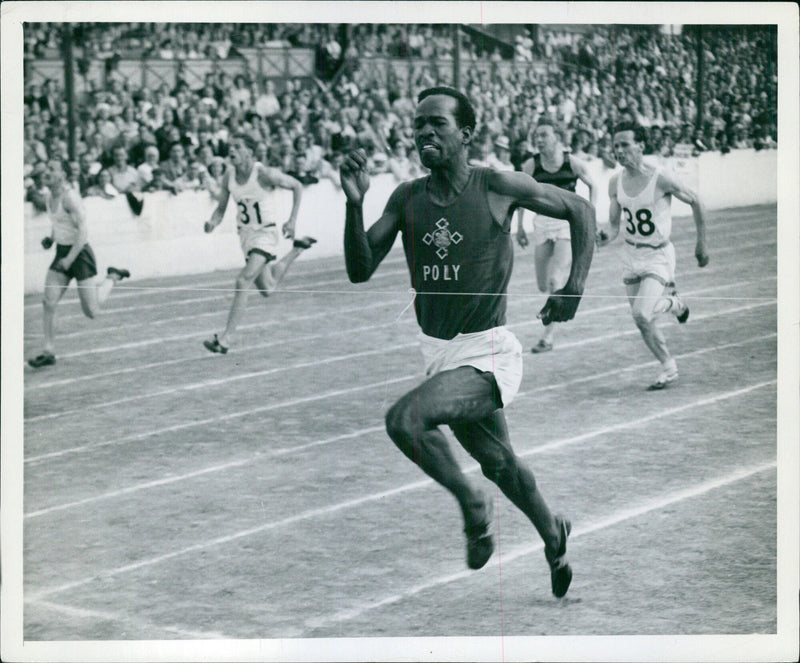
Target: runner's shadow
{"points": [[563, 602]]}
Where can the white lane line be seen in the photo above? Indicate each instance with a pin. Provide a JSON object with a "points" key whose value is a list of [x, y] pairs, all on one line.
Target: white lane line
{"points": [[308, 289], [222, 287], [205, 384], [125, 292], [348, 504], [227, 295], [206, 357], [635, 331], [224, 417], [354, 434], [204, 334], [512, 554], [257, 374], [132, 438], [124, 620], [145, 486]]}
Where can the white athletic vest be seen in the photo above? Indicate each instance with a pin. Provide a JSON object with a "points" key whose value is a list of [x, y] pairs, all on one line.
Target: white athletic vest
{"points": [[645, 219], [255, 204], [65, 231]]}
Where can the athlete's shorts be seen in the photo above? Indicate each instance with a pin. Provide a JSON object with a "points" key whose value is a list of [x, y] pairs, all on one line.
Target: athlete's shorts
{"points": [[495, 350], [641, 262], [547, 229], [82, 268], [264, 241]]}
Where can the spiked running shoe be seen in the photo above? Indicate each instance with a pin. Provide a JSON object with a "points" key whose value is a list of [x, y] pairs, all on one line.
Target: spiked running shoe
{"points": [[667, 377], [304, 242], [542, 346], [44, 359], [480, 543], [560, 570], [121, 273], [215, 346], [682, 310]]}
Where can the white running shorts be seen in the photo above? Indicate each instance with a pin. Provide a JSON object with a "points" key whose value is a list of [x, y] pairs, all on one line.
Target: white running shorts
{"points": [[643, 261], [546, 228], [495, 350], [264, 240]]}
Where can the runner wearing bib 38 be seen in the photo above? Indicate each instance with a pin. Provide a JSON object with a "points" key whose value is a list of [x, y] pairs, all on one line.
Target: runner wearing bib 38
{"points": [[641, 197]]}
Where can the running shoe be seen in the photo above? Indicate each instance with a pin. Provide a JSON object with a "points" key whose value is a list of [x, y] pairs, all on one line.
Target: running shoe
{"points": [[480, 543], [667, 377], [560, 570], [304, 242], [122, 273], [215, 346], [542, 346], [681, 311], [44, 359]]}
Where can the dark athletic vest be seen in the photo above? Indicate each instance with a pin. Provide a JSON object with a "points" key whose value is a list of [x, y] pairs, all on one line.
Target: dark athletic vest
{"points": [[456, 250], [563, 178]]}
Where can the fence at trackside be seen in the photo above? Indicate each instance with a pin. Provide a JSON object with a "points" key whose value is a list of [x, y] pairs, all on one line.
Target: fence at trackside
{"points": [[167, 239]]}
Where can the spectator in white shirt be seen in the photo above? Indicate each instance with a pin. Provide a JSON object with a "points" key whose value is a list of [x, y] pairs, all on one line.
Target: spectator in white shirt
{"points": [[500, 158], [146, 168], [267, 103]]}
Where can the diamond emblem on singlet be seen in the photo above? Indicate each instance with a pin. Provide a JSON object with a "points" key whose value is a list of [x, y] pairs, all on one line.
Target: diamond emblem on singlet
{"points": [[442, 238]]}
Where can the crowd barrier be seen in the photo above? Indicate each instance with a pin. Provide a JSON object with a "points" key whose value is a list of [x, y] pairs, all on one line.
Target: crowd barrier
{"points": [[167, 239]]}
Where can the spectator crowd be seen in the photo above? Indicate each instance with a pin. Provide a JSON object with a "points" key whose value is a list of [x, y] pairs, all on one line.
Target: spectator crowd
{"points": [[132, 139]]}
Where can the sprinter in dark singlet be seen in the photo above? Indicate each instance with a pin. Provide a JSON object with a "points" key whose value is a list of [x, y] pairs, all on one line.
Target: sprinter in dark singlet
{"points": [[455, 225], [552, 252]]}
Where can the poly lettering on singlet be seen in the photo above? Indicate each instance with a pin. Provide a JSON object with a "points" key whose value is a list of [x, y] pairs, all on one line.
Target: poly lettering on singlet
{"points": [[455, 253], [645, 219]]}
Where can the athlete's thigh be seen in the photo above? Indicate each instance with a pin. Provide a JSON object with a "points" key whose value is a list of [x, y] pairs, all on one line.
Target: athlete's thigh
{"points": [[252, 268], [55, 285], [454, 396], [541, 258], [560, 262], [87, 292], [483, 437], [632, 289], [265, 281], [650, 291]]}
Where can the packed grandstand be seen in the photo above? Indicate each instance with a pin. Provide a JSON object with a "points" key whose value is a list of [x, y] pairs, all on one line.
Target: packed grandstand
{"points": [[155, 104]]}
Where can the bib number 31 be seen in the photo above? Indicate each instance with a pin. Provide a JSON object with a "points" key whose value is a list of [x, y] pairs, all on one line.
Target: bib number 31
{"points": [[644, 225], [244, 213]]}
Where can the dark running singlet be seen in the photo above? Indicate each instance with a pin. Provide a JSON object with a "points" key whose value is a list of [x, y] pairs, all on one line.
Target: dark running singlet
{"points": [[563, 178], [457, 250]]}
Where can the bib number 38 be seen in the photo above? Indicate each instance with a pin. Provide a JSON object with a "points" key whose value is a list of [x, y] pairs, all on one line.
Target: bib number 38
{"points": [[644, 224]]}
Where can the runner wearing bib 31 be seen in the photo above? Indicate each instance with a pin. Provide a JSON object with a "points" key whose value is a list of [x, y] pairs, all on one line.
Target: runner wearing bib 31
{"points": [[252, 186], [641, 197]]}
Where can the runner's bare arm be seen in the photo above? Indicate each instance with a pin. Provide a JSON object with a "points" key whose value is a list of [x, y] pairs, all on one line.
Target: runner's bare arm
{"points": [[274, 177], [614, 214], [522, 235], [365, 249], [522, 190], [672, 185], [582, 171], [224, 194], [72, 204]]}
